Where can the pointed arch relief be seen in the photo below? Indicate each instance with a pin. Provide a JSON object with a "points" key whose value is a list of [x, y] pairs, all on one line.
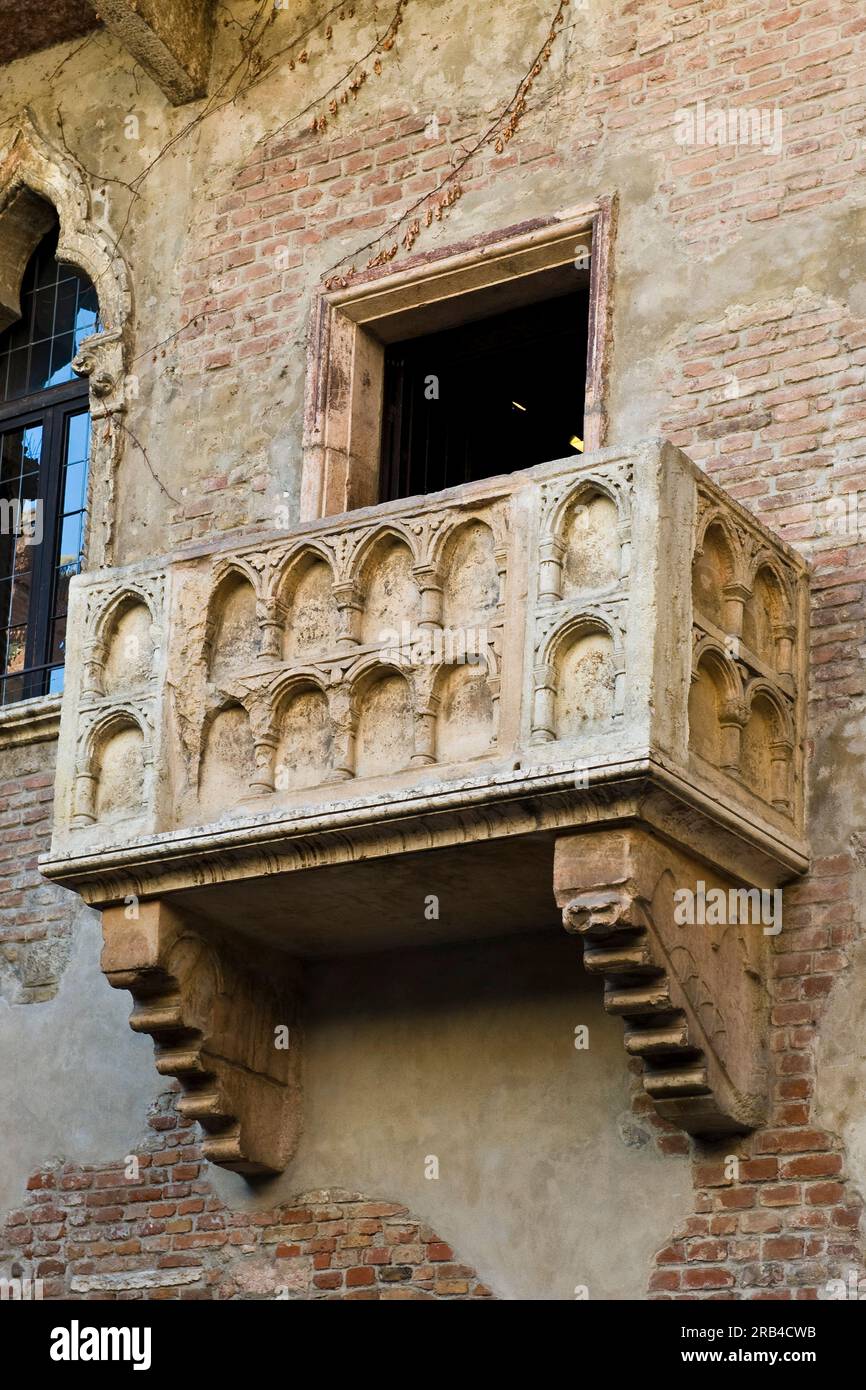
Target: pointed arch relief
{"points": [[465, 713], [766, 752], [114, 767], [713, 570], [38, 182], [590, 535], [312, 625], [767, 616], [228, 758], [586, 682], [304, 731], [130, 648], [233, 639], [391, 596], [715, 688], [471, 580], [385, 734]]}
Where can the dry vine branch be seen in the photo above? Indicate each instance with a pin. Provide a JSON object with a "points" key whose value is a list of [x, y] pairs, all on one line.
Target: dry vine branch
{"points": [[153, 473], [250, 69], [507, 121], [343, 81]]}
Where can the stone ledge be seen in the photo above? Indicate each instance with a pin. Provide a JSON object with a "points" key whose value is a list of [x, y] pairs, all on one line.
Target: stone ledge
{"points": [[526, 800], [30, 721]]}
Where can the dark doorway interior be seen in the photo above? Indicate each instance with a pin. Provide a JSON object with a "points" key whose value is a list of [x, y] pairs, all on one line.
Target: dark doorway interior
{"points": [[484, 398]]}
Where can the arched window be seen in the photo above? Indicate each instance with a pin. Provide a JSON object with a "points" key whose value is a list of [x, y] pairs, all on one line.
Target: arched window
{"points": [[44, 445]]}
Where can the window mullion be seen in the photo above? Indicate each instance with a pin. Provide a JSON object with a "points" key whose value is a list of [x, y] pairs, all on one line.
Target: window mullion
{"points": [[39, 618]]}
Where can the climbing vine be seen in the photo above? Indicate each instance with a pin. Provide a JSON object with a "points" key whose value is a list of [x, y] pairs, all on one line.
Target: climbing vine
{"points": [[253, 66]]}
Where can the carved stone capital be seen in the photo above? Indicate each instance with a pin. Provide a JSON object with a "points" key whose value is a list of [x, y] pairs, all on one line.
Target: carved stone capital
{"points": [[430, 582], [100, 359], [691, 995], [224, 1023], [350, 607]]}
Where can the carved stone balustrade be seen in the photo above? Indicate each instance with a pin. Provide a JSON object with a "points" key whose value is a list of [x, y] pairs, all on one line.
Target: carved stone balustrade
{"points": [[580, 684]]}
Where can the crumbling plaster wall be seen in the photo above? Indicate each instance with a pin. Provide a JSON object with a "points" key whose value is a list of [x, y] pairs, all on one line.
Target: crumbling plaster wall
{"points": [[235, 431]]}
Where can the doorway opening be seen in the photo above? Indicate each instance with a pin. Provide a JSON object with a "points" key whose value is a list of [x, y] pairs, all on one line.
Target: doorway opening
{"points": [[485, 397]]}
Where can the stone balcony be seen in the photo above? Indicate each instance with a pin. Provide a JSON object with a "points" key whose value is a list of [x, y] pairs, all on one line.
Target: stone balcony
{"points": [[575, 688]]}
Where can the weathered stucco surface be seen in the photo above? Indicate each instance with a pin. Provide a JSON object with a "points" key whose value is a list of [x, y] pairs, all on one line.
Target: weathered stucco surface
{"points": [[839, 809], [68, 1091], [468, 1055]]}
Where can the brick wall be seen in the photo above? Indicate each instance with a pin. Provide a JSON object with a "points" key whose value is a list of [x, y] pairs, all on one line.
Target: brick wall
{"points": [[771, 400], [786, 1220], [263, 242], [163, 1233], [36, 917], [804, 58], [301, 203]]}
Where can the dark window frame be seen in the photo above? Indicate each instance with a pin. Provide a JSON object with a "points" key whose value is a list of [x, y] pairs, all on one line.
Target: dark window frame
{"points": [[51, 408], [466, 432], [59, 310]]}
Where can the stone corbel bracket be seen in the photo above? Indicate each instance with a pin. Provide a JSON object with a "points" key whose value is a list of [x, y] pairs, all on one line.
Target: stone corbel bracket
{"points": [[692, 996], [172, 43], [225, 1026]]}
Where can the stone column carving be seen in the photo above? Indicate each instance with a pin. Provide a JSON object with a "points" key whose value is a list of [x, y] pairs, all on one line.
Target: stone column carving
{"points": [[424, 721], [733, 717], [265, 740], [224, 1021], [344, 715], [94, 668], [84, 798], [350, 606], [781, 754], [735, 597], [544, 704], [550, 552], [784, 637], [429, 581], [271, 616]]}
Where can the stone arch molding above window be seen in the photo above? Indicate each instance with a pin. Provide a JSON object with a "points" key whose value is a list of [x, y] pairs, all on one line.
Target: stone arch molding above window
{"points": [[39, 181]]}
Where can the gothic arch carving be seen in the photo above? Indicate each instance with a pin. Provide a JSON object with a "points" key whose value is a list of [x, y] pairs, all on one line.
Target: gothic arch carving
{"points": [[716, 709], [307, 603], [608, 566], [767, 612], [469, 571], [713, 518], [101, 736], [102, 626], [588, 620], [383, 701], [595, 642], [231, 634], [33, 174], [380, 538]]}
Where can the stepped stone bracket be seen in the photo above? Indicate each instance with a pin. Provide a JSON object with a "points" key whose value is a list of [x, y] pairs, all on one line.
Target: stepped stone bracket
{"points": [[225, 1026], [692, 997]]}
